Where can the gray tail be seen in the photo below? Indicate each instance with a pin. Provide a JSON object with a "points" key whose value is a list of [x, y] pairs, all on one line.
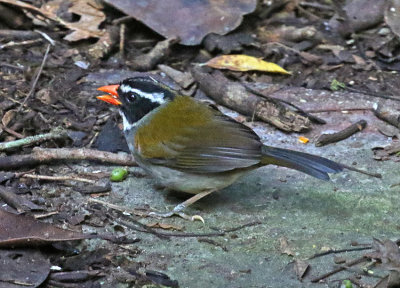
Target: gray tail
{"points": [[313, 165]]}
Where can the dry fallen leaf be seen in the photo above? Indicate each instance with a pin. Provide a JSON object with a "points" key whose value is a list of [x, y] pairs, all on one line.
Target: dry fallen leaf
{"points": [[90, 12], [285, 247], [23, 268], [387, 252], [164, 226], [244, 63], [88, 25], [8, 117], [300, 267], [190, 21], [21, 230]]}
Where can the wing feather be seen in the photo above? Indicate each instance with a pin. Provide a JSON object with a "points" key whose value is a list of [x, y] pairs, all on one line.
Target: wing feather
{"points": [[191, 136]]}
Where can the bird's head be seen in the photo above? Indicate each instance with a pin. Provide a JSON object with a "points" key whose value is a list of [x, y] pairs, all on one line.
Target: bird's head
{"points": [[136, 97]]}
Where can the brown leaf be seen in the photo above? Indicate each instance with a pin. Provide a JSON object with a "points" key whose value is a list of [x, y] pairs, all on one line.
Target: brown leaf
{"points": [[386, 153], [164, 226], [387, 252], [300, 267], [23, 268], [8, 117], [88, 25], [21, 230], [285, 247], [191, 21]]}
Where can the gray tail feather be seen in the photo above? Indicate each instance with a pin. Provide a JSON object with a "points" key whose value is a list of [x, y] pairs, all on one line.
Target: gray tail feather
{"points": [[313, 165]]}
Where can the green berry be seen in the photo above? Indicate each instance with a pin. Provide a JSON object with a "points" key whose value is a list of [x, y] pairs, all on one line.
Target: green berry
{"points": [[118, 174]]}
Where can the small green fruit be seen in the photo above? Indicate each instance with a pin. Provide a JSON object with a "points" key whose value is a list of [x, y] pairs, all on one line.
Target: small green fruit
{"points": [[118, 174], [347, 284]]}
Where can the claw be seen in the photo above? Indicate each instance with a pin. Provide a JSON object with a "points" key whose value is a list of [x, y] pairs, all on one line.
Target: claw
{"points": [[198, 217]]}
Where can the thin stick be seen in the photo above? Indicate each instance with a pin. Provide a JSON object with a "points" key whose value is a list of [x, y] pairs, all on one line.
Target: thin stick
{"points": [[57, 178], [337, 270], [45, 215], [188, 235], [376, 175], [47, 37], [146, 229], [12, 132], [333, 251], [122, 39], [56, 133], [46, 155], [117, 207], [325, 139], [31, 92], [336, 110], [22, 43]]}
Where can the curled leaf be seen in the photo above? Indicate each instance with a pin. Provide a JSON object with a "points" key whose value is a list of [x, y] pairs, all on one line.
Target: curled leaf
{"points": [[244, 63]]}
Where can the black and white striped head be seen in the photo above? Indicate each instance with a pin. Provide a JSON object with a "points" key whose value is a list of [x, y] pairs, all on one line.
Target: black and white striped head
{"points": [[136, 97]]}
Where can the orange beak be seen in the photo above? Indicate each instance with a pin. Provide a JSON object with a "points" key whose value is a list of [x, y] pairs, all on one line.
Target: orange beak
{"points": [[112, 96]]}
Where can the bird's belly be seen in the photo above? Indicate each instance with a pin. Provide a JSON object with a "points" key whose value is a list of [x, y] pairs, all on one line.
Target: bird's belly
{"points": [[189, 182]]}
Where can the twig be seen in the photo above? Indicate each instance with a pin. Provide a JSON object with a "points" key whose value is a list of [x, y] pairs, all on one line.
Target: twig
{"points": [[149, 60], [45, 215], [17, 34], [123, 19], [189, 235], [337, 110], [388, 116], [36, 78], [333, 251], [45, 36], [337, 270], [376, 175], [311, 16], [212, 242], [22, 43], [12, 132], [316, 5], [122, 209], [297, 109], [4, 64], [325, 139], [122, 39], [147, 229], [56, 133], [58, 178], [45, 155], [379, 95]]}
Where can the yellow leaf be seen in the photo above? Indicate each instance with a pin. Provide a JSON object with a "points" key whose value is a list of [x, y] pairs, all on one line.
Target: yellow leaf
{"points": [[303, 139], [244, 63]]}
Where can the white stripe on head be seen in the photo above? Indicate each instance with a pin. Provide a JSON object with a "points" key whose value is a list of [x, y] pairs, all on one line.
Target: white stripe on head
{"points": [[153, 97], [125, 122]]}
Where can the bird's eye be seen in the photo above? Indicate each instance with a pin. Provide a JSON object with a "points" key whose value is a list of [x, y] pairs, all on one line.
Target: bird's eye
{"points": [[131, 97]]}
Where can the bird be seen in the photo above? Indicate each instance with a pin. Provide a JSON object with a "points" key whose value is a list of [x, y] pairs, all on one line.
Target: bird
{"points": [[190, 146]]}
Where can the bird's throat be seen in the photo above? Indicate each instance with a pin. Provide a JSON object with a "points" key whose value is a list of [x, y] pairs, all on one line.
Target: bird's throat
{"points": [[127, 125]]}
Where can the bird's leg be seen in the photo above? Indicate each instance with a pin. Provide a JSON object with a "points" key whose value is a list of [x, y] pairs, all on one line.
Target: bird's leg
{"points": [[178, 209]]}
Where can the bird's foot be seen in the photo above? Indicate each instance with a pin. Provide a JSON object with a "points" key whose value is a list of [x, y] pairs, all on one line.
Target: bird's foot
{"points": [[178, 211]]}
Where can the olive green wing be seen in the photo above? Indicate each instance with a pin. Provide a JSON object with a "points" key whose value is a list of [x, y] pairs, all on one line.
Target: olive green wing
{"points": [[191, 136]]}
